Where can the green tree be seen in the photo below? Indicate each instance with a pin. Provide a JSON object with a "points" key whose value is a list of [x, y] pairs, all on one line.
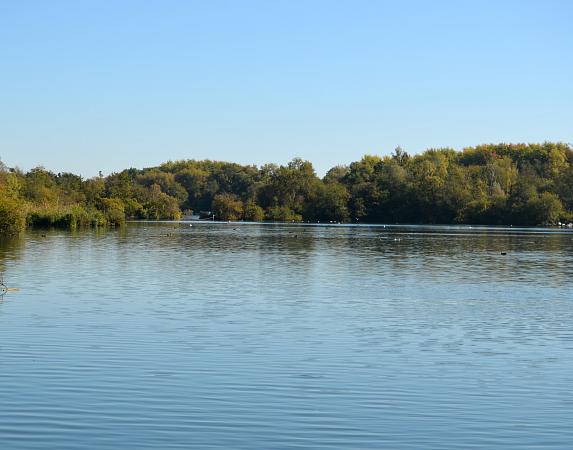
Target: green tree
{"points": [[12, 215], [330, 203], [282, 214], [158, 205], [114, 210], [543, 209], [41, 186], [253, 212], [227, 207]]}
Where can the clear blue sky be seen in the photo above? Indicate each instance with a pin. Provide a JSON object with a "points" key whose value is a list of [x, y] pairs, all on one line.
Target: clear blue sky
{"points": [[106, 85]]}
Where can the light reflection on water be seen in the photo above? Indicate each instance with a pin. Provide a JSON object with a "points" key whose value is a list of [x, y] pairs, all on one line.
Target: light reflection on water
{"points": [[274, 336]]}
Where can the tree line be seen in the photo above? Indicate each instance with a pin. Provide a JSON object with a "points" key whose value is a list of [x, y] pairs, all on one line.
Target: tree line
{"points": [[496, 184]]}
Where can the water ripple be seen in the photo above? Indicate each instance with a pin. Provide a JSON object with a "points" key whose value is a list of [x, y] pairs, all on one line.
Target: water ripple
{"points": [[228, 336]]}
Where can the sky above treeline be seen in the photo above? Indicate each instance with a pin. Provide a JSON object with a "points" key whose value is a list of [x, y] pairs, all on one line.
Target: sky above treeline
{"points": [[106, 85]]}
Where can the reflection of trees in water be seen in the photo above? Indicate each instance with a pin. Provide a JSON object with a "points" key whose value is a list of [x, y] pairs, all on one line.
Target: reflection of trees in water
{"points": [[10, 249], [220, 247], [293, 248], [217, 256], [300, 255], [205, 238], [296, 242], [474, 256]]}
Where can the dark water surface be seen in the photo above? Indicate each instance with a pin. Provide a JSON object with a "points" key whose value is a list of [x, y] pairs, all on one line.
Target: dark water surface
{"points": [[224, 336]]}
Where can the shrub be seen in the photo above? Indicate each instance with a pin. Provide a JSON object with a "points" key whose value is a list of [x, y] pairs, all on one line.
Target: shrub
{"points": [[114, 210], [71, 217], [12, 215], [227, 207], [283, 214], [253, 212]]}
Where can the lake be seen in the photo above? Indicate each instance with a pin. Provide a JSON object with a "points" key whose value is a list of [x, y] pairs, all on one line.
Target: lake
{"points": [[246, 336]]}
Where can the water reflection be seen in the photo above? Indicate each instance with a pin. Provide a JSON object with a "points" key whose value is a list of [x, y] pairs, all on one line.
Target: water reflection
{"points": [[10, 249], [277, 336]]}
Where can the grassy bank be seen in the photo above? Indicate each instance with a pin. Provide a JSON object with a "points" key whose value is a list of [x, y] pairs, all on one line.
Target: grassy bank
{"points": [[16, 215]]}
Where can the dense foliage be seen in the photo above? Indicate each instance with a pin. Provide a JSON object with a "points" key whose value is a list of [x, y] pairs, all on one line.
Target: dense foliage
{"points": [[526, 184]]}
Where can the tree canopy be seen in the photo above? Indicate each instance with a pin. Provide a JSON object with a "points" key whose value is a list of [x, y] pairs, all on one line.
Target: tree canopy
{"points": [[525, 184]]}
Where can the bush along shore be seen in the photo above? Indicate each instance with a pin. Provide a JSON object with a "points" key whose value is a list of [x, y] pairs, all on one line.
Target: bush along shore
{"points": [[493, 184]]}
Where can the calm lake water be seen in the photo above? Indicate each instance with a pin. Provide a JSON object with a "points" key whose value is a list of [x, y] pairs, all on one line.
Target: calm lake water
{"points": [[227, 336]]}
